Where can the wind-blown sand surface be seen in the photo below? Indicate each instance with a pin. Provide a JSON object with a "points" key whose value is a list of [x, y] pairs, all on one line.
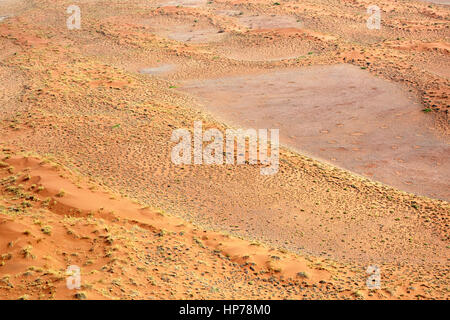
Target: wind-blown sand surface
{"points": [[445, 2], [52, 218], [78, 97]]}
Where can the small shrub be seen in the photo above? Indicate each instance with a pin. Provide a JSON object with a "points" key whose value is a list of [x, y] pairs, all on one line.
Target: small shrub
{"points": [[61, 193]]}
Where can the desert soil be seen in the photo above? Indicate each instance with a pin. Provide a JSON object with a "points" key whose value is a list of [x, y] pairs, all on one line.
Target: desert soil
{"points": [[86, 177]]}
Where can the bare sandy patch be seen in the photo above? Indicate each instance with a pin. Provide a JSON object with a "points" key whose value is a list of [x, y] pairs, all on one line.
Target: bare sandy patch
{"points": [[183, 3], [161, 69], [184, 29], [342, 115], [10, 8]]}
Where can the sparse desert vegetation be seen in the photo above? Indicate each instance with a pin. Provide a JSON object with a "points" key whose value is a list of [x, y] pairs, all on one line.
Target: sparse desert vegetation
{"points": [[86, 175]]}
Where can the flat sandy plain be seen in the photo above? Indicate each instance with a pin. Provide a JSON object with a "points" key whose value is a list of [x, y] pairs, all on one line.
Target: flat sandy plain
{"points": [[86, 177]]}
